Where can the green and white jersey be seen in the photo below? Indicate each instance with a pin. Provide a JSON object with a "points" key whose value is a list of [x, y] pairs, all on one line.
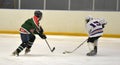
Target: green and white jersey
{"points": [[30, 24]]}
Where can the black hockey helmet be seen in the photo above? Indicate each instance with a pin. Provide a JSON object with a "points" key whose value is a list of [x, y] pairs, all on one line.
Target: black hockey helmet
{"points": [[38, 13]]}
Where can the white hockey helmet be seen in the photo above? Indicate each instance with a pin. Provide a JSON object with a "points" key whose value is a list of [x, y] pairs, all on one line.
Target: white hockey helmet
{"points": [[88, 18]]}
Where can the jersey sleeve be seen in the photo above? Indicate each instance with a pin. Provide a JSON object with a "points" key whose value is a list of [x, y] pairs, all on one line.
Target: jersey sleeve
{"points": [[102, 21], [88, 28]]}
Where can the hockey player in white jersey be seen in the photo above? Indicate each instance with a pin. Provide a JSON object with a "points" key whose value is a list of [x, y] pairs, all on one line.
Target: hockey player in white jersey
{"points": [[94, 28]]}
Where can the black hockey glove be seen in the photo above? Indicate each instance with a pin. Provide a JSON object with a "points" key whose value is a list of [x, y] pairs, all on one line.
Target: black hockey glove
{"points": [[41, 30], [43, 36]]}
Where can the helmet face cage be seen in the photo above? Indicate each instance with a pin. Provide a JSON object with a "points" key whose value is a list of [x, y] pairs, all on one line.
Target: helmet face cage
{"points": [[38, 14], [88, 18]]}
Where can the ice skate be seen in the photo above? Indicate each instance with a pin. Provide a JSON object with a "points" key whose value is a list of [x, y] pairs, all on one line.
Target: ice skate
{"points": [[92, 53], [15, 53], [27, 50]]}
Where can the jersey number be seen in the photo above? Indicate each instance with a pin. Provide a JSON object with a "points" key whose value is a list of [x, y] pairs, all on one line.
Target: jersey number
{"points": [[94, 24]]}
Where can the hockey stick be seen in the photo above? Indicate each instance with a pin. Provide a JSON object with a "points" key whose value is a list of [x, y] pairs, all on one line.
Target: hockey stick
{"points": [[49, 46], [75, 48]]}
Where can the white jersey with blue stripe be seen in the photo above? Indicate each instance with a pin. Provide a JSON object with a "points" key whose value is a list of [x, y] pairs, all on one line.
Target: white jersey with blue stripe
{"points": [[94, 28]]}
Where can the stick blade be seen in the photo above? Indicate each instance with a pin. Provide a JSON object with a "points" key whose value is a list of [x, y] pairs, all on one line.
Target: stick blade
{"points": [[53, 49], [67, 52]]}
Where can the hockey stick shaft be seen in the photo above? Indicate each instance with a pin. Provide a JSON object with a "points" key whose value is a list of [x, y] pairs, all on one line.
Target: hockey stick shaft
{"points": [[77, 47], [49, 46]]}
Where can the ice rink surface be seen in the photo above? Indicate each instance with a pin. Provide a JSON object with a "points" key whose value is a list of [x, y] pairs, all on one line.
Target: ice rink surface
{"points": [[108, 51]]}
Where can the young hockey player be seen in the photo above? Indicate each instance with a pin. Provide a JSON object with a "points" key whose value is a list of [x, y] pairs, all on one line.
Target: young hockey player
{"points": [[27, 31], [94, 28]]}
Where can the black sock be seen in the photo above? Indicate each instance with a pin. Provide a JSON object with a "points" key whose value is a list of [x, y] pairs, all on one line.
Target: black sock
{"points": [[95, 48], [21, 47]]}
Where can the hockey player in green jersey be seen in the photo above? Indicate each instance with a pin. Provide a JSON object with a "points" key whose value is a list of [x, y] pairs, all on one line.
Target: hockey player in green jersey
{"points": [[27, 31]]}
